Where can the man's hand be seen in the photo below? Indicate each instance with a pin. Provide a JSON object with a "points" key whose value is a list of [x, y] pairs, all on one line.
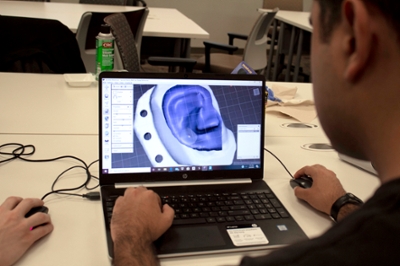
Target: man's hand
{"points": [[18, 233], [138, 219], [325, 190]]}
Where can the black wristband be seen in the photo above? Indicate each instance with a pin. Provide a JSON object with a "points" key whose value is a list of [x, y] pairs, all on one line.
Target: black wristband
{"points": [[347, 198]]}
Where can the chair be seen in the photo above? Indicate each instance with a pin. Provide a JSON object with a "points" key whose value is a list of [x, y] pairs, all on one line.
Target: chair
{"points": [[254, 53], [104, 2], [89, 27], [38, 46], [129, 51], [289, 5], [282, 5]]}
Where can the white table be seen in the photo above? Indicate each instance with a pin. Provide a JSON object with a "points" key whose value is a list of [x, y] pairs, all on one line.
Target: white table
{"points": [[42, 110], [276, 124], [170, 23], [299, 22], [79, 234], [295, 18], [161, 22], [46, 104]]}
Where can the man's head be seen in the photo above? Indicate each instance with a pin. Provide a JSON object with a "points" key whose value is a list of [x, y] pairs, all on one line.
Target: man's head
{"points": [[330, 14], [355, 71]]}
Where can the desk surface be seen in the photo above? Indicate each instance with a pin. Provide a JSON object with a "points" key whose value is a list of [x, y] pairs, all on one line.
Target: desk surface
{"points": [[275, 123], [79, 235], [295, 18], [161, 22], [298, 19], [37, 101], [46, 104]]}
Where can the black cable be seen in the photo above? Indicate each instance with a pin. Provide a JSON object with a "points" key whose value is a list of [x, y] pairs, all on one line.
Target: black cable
{"points": [[21, 150], [92, 176], [279, 161], [14, 153]]}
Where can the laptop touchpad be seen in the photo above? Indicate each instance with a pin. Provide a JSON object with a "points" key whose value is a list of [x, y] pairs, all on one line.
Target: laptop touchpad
{"points": [[190, 237]]}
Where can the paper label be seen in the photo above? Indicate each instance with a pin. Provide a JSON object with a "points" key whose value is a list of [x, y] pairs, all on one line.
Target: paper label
{"points": [[247, 236]]}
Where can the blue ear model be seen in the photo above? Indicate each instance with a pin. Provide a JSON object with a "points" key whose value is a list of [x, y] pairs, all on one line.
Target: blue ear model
{"points": [[181, 125], [192, 118]]}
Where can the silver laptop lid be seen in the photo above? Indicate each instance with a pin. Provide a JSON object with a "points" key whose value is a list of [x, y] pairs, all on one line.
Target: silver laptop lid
{"points": [[365, 165]]}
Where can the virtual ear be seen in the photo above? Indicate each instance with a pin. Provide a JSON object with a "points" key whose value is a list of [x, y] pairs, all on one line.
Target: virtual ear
{"points": [[359, 39], [192, 118]]}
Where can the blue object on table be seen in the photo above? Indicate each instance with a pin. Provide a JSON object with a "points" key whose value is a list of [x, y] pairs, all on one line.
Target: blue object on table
{"points": [[244, 68], [271, 96]]}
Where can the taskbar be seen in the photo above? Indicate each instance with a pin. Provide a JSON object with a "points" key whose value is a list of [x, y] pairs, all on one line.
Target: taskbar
{"points": [[204, 168]]}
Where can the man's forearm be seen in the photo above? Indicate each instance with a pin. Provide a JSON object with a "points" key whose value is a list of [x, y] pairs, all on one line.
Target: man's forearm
{"points": [[131, 253], [346, 210]]}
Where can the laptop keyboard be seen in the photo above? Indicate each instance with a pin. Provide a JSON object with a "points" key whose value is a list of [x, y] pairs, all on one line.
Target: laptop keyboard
{"points": [[220, 207]]}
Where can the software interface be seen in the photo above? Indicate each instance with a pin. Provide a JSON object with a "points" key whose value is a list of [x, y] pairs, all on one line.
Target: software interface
{"points": [[180, 125]]}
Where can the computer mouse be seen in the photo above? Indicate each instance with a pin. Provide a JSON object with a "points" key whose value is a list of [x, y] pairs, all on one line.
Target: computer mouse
{"points": [[303, 181], [37, 209]]}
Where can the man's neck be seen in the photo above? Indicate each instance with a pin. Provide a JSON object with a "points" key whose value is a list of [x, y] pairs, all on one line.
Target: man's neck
{"points": [[386, 157], [380, 111]]}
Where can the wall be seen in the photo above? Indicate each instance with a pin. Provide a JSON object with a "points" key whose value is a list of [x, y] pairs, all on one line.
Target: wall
{"points": [[293, 5], [307, 4]]}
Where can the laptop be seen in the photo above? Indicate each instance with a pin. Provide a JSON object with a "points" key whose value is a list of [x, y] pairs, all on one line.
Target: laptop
{"points": [[361, 164], [197, 140]]}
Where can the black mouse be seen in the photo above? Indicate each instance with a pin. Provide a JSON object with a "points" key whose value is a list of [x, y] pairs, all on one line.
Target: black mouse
{"points": [[303, 181], [37, 209]]}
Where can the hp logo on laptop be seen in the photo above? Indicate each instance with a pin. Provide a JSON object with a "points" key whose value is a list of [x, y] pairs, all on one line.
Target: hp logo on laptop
{"points": [[184, 176]]}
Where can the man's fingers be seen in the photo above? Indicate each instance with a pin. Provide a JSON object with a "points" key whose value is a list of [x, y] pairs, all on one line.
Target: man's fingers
{"points": [[27, 204], [301, 193], [38, 219], [141, 188], [306, 170], [159, 202], [168, 210], [168, 213], [310, 170], [41, 231], [11, 202]]}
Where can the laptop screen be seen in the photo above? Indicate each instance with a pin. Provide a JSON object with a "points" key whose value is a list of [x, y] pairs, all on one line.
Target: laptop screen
{"points": [[163, 124]]}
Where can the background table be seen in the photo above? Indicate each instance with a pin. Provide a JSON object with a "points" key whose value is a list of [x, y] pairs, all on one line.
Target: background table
{"points": [[161, 22], [46, 104], [298, 22], [79, 235], [296, 18]]}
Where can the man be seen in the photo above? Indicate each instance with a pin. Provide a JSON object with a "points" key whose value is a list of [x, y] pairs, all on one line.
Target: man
{"points": [[18, 233], [355, 68]]}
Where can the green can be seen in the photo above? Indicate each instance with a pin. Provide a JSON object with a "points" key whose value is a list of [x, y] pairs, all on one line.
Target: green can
{"points": [[104, 50]]}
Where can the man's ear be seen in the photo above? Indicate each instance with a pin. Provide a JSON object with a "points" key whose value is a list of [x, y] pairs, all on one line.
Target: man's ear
{"points": [[358, 42]]}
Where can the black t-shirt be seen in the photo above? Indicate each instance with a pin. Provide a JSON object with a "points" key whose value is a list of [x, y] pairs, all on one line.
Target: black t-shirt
{"points": [[369, 236]]}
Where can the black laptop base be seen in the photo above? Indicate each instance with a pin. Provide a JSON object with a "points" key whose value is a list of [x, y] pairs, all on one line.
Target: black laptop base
{"points": [[206, 217]]}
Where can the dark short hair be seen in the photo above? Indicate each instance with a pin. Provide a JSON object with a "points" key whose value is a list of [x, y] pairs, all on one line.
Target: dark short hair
{"points": [[330, 14]]}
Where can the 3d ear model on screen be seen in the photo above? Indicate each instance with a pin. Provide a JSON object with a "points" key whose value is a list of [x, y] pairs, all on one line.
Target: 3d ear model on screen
{"points": [[186, 121]]}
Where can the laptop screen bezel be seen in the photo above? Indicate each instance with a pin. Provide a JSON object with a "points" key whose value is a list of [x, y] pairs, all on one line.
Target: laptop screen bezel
{"points": [[110, 179]]}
